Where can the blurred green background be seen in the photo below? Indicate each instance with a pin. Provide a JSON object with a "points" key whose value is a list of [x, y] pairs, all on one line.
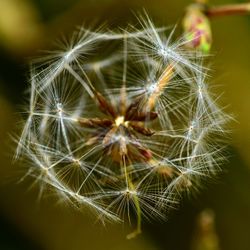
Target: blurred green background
{"points": [[217, 218]]}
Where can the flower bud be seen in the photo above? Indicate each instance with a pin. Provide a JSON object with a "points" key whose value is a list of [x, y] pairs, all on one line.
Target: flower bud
{"points": [[196, 26]]}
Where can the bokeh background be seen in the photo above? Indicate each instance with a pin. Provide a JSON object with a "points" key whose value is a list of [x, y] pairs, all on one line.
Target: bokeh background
{"points": [[216, 219]]}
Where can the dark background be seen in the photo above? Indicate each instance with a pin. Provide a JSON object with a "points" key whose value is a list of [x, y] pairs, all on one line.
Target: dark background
{"points": [[217, 218]]}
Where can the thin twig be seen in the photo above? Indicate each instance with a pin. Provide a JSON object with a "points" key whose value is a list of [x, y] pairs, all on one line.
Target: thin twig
{"points": [[232, 9]]}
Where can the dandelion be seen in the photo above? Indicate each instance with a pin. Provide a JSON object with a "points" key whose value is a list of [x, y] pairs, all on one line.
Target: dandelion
{"points": [[122, 123]]}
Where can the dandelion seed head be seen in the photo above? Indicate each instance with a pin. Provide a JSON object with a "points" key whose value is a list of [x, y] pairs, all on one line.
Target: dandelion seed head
{"points": [[124, 133]]}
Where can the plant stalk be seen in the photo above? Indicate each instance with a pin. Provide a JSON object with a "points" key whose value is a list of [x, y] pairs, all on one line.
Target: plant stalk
{"points": [[227, 10]]}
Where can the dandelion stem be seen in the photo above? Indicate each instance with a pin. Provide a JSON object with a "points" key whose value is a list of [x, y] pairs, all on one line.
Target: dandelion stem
{"points": [[130, 190], [138, 213]]}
